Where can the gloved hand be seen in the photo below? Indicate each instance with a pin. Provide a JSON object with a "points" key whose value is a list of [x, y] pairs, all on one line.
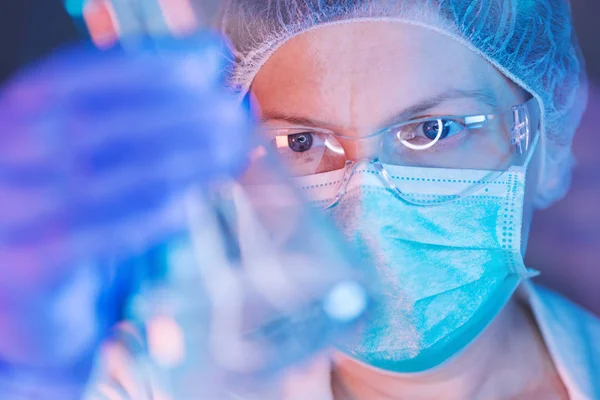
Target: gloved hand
{"points": [[95, 146]]}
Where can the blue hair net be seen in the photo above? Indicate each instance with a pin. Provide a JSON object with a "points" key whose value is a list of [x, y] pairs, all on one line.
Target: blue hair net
{"points": [[531, 41]]}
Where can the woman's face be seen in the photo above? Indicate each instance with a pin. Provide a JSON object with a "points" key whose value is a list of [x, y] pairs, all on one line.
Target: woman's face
{"points": [[356, 79]]}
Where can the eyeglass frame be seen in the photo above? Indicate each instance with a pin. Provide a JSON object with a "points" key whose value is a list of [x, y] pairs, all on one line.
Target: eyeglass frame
{"points": [[526, 123]]}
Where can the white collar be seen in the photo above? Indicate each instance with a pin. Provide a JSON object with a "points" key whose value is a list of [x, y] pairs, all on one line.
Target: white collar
{"points": [[572, 337]]}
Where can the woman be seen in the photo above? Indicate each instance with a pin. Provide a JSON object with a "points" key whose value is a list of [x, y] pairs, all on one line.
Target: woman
{"points": [[429, 131]]}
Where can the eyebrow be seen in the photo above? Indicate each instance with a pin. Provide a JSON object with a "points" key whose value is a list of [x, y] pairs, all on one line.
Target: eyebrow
{"points": [[483, 96]]}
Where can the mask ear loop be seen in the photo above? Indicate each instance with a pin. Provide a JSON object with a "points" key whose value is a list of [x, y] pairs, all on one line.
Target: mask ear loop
{"points": [[522, 270]]}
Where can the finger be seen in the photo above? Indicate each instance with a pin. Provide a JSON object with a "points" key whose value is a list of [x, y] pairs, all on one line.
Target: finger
{"points": [[106, 65], [186, 148], [39, 122], [194, 62], [193, 123], [171, 115], [64, 240], [115, 204]]}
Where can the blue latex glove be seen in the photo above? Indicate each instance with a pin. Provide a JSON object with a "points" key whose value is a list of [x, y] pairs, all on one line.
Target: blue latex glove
{"points": [[94, 148]]}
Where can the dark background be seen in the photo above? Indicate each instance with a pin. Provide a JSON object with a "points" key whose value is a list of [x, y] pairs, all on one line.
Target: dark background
{"points": [[565, 239]]}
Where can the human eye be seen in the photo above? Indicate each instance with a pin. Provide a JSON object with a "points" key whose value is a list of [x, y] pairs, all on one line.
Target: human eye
{"points": [[301, 142], [303, 151], [298, 143], [423, 133], [440, 128]]}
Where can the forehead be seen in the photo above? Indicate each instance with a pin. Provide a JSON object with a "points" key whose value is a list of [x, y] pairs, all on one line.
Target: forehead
{"points": [[358, 73]]}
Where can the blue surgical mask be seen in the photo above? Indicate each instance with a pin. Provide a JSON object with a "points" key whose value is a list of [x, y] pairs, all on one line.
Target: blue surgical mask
{"points": [[446, 269]]}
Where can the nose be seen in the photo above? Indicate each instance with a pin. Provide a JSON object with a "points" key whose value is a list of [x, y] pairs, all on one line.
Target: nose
{"points": [[361, 149]]}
